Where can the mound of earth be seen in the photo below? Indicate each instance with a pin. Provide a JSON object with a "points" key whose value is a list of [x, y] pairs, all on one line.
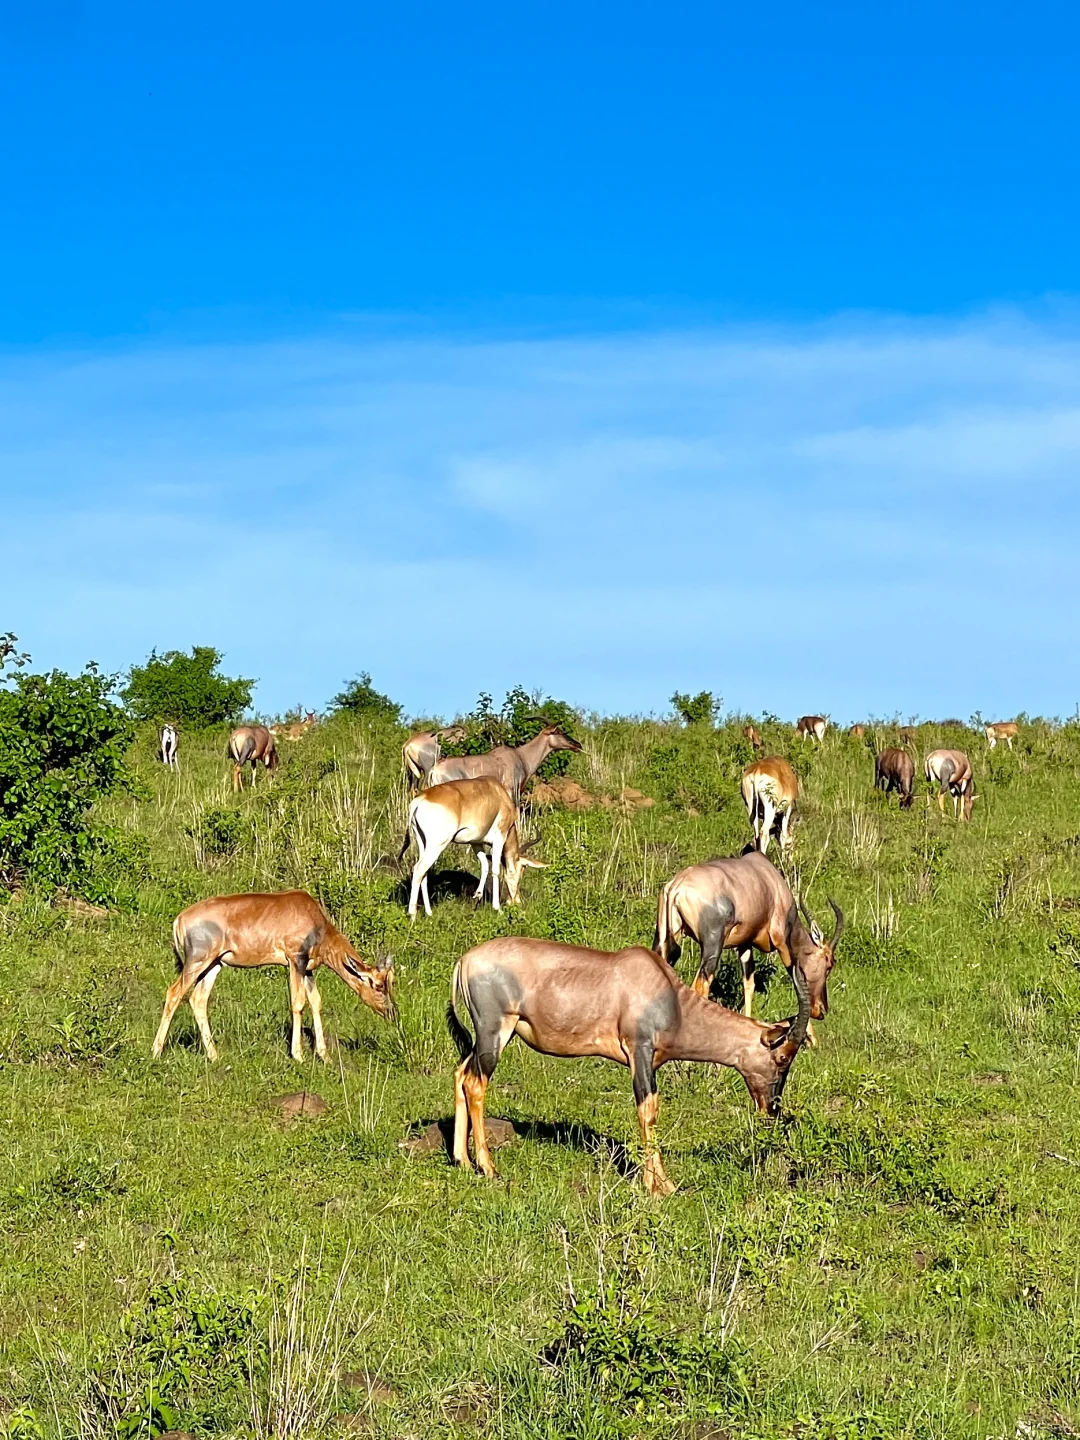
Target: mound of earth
{"points": [[563, 792], [434, 1137], [303, 1105]]}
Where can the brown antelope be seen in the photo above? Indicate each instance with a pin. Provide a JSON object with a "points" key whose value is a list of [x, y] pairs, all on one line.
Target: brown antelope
{"points": [[770, 789], [950, 770], [626, 1006], [1006, 730], [169, 746], [251, 744], [421, 752], [289, 929], [744, 904], [814, 725], [512, 765], [296, 731], [857, 730], [895, 770], [754, 736], [909, 734], [477, 813]]}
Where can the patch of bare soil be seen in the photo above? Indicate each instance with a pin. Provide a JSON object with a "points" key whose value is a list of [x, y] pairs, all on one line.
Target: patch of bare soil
{"points": [[303, 1105]]}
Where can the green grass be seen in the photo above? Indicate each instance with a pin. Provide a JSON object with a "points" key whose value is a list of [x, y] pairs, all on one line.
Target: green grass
{"points": [[898, 1257]]}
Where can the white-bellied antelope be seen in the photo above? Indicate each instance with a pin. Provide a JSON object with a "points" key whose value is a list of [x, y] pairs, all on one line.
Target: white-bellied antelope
{"points": [[247, 931], [251, 745], [770, 789], [812, 725], [1006, 730], [169, 747], [627, 1006], [295, 731], [744, 904], [895, 770], [950, 770], [512, 765], [477, 813], [421, 752]]}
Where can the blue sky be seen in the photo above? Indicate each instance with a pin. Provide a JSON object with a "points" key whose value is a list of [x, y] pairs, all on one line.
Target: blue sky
{"points": [[608, 349]]}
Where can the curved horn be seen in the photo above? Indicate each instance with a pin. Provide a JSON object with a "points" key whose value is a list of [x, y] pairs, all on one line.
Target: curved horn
{"points": [[797, 1033], [839, 924], [542, 718], [526, 845]]}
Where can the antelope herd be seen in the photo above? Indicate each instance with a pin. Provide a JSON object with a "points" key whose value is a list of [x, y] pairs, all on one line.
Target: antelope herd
{"points": [[628, 1006]]}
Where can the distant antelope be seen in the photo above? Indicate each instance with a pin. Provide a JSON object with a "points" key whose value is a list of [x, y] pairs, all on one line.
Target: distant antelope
{"points": [[247, 931], [909, 734], [295, 731], [744, 904], [421, 752], [251, 744], [1006, 730], [950, 770], [754, 736], [169, 747], [857, 730], [626, 1006], [512, 765], [770, 789], [478, 813], [814, 725], [895, 770]]}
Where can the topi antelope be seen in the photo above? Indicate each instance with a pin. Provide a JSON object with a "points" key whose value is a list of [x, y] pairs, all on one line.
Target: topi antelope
{"points": [[770, 789], [744, 904], [247, 931], [753, 734], [421, 752], [169, 747], [814, 725], [857, 730], [512, 765], [1006, 730], [895, 770], [626, 1006], [296, 731], [477, 813], [950, 770], [251, 744]]}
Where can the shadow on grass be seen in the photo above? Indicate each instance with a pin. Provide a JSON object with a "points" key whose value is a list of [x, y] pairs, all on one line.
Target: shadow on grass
{"points": [[571, 1134], [442, 885]]}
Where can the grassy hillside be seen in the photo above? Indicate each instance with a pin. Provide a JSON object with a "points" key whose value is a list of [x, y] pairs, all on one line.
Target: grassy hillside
{"points": [[898, 1257]]}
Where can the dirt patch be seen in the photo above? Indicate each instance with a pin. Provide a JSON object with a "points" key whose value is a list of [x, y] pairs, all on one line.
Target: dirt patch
{"points": [[303, 1105], [562, 793], [82, 909], [628, 800]]}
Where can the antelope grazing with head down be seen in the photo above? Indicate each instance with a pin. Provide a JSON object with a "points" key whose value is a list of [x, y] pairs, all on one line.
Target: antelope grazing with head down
{"points": [[744, 904], [477, 813], [814, 725], [295, 731], [895, 770], [512, 765], [247, 931], [627, 1006], [770, 789], [1006, 730], [250, 745], [950, 770], [421, 752], [169, 747]]}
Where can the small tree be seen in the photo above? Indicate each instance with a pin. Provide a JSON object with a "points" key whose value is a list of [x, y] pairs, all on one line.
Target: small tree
{"points": [[700, 709], [360, 697], [186, 689]]}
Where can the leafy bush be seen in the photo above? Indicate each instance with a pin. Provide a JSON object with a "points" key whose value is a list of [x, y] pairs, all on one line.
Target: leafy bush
{"points": [[360, 697], [186, 689], [700, 709]]}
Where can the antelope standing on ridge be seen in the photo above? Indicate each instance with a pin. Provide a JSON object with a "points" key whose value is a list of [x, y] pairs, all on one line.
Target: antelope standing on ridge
{"points": [[251, 744], [814, 725], [895, 770], [770, 789], [950, 770], [169, 747], [744, 904], [421, 752], [626, 1006], [512, 765], [247, 931], [478, 813], [297, 730], [1006, 730]]}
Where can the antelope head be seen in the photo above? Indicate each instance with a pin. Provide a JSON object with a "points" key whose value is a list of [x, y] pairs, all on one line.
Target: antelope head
{"points": [[516, 864], [818, 958], [373, 983]]}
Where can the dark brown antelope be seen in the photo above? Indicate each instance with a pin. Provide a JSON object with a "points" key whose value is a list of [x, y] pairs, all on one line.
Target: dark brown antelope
{"points": [[812, 725], [1006, 730], [512, 765], [295, 731], [895, 770], [770, 789], [950, 770], [754, 736], [251, 744], [627, 1006], [477, 813], [247, 931], [744, 904], [421, 752]]}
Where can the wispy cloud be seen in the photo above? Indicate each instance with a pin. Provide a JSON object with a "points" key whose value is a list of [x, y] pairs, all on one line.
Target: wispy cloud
{"points": [[869, 517]]}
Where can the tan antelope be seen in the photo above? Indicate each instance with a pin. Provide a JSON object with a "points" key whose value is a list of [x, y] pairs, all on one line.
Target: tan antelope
{"points": [[857, 730], [251, 744], [247, 931], [753, 734], [477, 813], [1006, 730], [744, 904], [895, 770], [512, 765], [295, 731], [950, 770], [770, 789], [626, 1006], [814, 725], [421, 752]]}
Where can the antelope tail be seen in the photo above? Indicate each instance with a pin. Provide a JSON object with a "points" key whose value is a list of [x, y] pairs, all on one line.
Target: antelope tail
{"points": [[243, 752], [461, 1036], [664, 943]]}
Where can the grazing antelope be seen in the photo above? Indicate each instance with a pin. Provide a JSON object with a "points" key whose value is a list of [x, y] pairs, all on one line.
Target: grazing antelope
{"points": [[814, 725], [169, 747], [857, 730], [478, 813], [744, 904], [950, 770], [247, 931], [251, 744], [770, 789], [909, 734], [754, 736], [512, 765], [626, 1006], [296, 731], [421, 752], [895, 770], [1006, 730]]}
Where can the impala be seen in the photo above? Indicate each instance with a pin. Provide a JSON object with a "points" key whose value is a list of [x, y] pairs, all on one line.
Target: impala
{"points": [[1006, 730], [295, 731]]}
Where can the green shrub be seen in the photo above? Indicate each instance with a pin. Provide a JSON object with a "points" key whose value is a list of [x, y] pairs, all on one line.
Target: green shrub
{"points": [[186, 689], [359, 697], [700, 709]]}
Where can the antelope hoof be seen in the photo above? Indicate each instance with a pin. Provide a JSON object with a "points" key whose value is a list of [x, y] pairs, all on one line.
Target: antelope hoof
{"points": [[811, 1037], [701, 986]]}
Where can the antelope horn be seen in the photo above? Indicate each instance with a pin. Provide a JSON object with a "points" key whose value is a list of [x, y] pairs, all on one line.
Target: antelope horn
{"points": [[528, 844], [797, 1032], [839, 923], [542, 718]]}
